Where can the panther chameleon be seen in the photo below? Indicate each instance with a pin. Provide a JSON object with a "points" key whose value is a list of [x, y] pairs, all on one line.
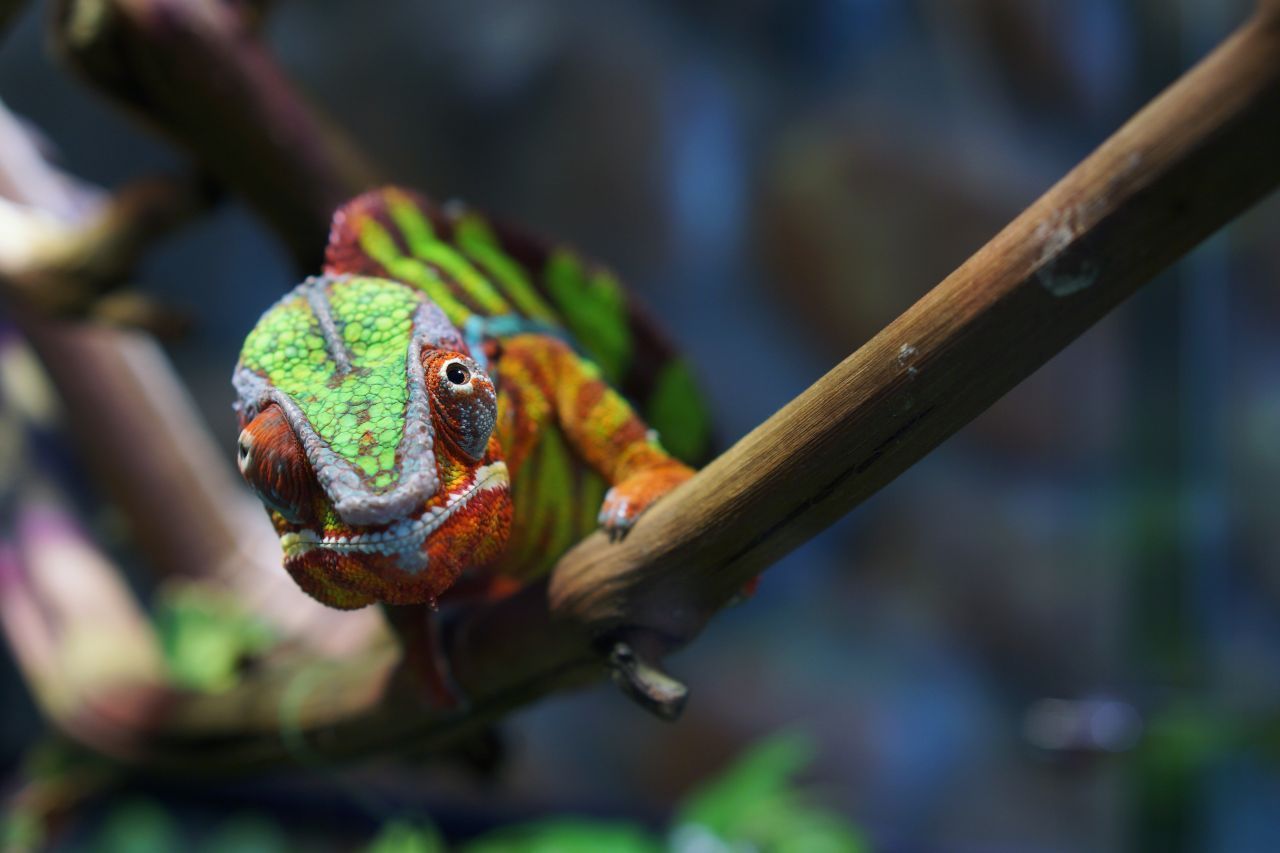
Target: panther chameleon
{"points": [[445, 407]]}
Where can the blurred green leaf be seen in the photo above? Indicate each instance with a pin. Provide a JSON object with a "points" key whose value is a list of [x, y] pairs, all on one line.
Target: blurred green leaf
{"points": [[678, 412], [755, 805], [21, 830], [567, 836], [399, 836], [206, 636], [138, 826], [246, 834], [761, 776]]}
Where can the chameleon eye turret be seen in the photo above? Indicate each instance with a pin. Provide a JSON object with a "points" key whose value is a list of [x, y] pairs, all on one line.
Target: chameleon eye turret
{"points": [[464, 401], [273, 463]]}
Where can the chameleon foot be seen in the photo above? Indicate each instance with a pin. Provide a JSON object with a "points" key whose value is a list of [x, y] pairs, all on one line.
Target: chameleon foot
{"points": [[625, 501]]}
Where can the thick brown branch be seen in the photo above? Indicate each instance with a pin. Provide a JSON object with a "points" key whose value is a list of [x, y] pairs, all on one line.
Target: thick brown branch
{"points": [[1197, 156], [1194, 158]]}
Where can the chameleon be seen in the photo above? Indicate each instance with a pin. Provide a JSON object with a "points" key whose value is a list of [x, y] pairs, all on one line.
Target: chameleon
{"points": [[451, 405]]}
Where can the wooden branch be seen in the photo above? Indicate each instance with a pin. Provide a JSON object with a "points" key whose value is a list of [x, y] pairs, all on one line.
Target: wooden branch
{"points": [[1194, 158], [196, 71], [1190, 161]]}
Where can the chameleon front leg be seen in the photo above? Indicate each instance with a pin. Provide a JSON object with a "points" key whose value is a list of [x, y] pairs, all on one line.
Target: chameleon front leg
{"points": [[600, 426], [606, 431], [551, 385]]}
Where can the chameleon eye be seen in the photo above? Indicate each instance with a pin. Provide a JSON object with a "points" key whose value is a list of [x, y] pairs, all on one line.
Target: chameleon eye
{"points": [[456, 373]]}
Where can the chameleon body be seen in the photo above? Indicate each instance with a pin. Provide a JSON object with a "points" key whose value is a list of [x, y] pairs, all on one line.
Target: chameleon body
{"points": [[444, 408]]}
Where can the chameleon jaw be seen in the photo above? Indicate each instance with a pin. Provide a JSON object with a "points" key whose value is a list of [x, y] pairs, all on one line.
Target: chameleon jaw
{"points": [[405, 537]]}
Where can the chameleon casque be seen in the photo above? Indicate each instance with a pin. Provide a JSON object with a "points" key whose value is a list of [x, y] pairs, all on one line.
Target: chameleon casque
{"points": [[446, 407]]}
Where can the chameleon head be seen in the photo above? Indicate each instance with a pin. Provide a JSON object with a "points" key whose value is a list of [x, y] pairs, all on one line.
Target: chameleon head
{"points": [[367, 432]]}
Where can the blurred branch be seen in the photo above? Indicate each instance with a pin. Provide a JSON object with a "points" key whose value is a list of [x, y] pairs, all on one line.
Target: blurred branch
{"points": [[135, 423], [65, 245], [9, 12], [196, 70], [1197, 156], [146, 443], [67, 268]]}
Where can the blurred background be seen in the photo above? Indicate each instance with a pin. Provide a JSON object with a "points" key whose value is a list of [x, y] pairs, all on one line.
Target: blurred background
{"points": [[1059, 632]]}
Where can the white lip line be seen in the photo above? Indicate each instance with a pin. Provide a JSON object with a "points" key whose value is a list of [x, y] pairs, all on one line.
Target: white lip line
{"points": [[294, 543]]}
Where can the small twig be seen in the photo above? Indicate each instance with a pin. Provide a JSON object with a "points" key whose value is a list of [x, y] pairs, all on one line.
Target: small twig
{"points": [[645, 683]]}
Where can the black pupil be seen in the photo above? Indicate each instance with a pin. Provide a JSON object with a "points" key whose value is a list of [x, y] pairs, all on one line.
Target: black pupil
{"points": [[457, 373]]}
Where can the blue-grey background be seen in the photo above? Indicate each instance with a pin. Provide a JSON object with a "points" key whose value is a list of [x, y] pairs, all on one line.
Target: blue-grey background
{"points": [[1060, 631]]}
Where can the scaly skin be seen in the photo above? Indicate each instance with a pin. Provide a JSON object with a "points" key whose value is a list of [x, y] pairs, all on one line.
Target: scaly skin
{"points": [[418, 416], [566, 434]]}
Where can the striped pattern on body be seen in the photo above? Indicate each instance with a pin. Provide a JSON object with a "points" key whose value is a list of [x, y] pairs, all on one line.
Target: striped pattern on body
{"points": [[495, 281]]}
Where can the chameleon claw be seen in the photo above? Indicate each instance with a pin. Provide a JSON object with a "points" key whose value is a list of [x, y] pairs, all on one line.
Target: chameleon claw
{"points": [[644, 683], [628, 500]]}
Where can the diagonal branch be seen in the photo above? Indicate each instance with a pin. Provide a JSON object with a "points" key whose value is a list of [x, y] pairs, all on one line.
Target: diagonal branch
{"points": [[1190, 161], [1194, 158], [196, 71]]}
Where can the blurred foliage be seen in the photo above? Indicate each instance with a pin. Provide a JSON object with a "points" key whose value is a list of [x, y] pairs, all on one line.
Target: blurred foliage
{"points": [[757, 803], [207, 637], [399, 836], [567, 835], [139, 826], [754, 805], [245, 833], [142, 826], [21, 831], [55, 775]]}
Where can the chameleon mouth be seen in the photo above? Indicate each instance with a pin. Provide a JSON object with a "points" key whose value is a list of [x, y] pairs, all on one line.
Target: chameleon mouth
{"points": [[403, 536]]}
